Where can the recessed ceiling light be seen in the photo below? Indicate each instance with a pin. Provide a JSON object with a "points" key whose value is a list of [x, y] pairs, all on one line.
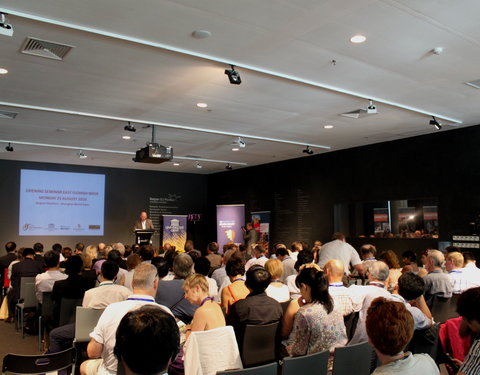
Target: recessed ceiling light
{"points": [[358, 39], [176, 164], [202, 105], [328, 127], [3, 71], [126, 137], [235, 149]]}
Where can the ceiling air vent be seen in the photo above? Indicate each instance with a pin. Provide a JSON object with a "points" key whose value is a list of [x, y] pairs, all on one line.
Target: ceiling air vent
{"points": [[45, 48], [475, 84], [9, 115]]}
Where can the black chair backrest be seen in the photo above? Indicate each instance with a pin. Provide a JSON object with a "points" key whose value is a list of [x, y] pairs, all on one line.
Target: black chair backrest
{"points": [[259, 344], [68, 309], [355, 359], [270, 369], [284, 305], [48, 311], [38, 364], [444, 308], [316, 363], [351, 321], [425, 341]]}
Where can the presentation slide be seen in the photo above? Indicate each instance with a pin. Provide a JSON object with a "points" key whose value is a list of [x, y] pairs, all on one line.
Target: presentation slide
{"points": [[61, 203]]}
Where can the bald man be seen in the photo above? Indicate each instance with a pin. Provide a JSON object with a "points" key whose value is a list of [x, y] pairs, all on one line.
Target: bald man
{"points": [[344, 301]]}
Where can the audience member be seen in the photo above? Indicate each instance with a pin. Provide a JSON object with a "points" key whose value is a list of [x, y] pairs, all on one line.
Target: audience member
{"points": [[79, 247], [259, 257], [276, 289], [38, 248], [237, 290], [343, 299], [133, 260], [107, 292], [471, 270], [214, 258], [377, 273], [170, 293], [391, 259], [116, 257], [257, 307], [162, 266], [147, 332], [317, 326], [295, 248], [202, 267], [304, 257], [100, 348], [454, 267], [437, 283], [468, 307], [208, 315], [287, 261], [390, 328], [10, 248], [146, 253], [44, 281], [220, 275], [368, 253], [339, 249], [409, 258], [410, 292], [27, 267]]}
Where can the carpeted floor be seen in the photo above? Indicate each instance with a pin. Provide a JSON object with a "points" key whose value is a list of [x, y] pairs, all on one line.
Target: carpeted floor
{"points": [[11, 341]]}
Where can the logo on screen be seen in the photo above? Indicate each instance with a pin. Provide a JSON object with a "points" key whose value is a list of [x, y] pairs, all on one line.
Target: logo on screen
{"points": [[26, 227], [94, 227]]}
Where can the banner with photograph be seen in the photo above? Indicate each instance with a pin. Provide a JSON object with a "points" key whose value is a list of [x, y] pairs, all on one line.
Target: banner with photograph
{"points": [[175, 231], [261, 223], [230, 220]]}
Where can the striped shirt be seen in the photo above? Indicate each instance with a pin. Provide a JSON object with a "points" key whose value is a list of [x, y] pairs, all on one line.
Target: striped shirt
{"points": [[471, 366]]}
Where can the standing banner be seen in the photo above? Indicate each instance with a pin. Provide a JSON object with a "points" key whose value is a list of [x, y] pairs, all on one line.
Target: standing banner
{"points": [[261, 223], [230, 220], [175, 231], [381, 221]]}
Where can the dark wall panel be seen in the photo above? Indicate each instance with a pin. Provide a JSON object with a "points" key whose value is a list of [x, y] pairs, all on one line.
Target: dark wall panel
{"points": [[127, 192], [444, 165]]}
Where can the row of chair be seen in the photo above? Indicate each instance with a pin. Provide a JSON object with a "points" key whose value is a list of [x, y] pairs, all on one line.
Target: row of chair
{"points": [[355, 359]]}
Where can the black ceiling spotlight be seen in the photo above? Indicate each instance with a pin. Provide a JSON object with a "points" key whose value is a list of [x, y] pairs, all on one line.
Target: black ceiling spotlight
{"points": [[9, 147], [130, 127], [229, 167], [233, 76], [308, 151], [435, 123]]}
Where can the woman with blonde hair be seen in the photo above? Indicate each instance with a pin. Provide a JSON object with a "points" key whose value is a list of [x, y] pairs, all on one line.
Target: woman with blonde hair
{"points": [[208, 315], [276, 289]]}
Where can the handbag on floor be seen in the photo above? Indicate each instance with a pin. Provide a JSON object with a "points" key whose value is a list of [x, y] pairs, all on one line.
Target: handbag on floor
{"points": [[4, 309]]}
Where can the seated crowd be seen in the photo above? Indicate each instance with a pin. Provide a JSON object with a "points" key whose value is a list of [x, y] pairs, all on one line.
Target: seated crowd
{"points": [[156, 299]]}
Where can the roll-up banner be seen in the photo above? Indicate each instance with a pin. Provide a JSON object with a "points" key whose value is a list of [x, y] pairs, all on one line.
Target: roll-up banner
{"points": [[230, 219], [175, 231], [261, 223]]}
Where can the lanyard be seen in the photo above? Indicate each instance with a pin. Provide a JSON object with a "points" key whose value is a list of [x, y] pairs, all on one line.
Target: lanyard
{"points": [[336, 285], [378, 285], [238, 280], [205, 300], [140, 299]]}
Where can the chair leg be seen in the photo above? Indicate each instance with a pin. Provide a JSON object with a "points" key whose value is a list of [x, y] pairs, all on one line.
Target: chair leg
{"points": [[40, 333], [22, 324]]}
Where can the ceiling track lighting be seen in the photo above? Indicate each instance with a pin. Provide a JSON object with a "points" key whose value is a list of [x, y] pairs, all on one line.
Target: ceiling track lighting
{"points": [[130, 127], [371, 109], [81, 154], [9, 148], [435, 123], [233, 76], [307, 151], [228, 167], [5, 27], [198, 165]]}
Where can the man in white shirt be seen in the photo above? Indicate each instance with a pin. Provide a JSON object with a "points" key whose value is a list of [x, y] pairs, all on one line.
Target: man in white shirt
{"points": [[145, 284], [343, 299], [288, 263], [456, 274], [107, 292], [44, 281], [339, 249], [377, 274], [471, 271], [258, 257]]}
